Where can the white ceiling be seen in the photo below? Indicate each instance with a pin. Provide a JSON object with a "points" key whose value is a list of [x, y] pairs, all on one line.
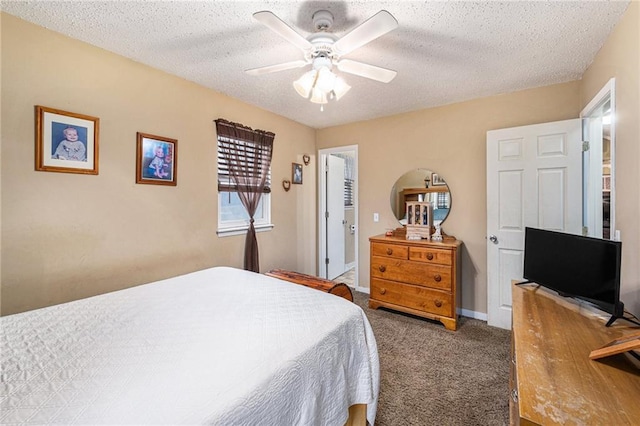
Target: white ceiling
{"points": [[444, 52]]}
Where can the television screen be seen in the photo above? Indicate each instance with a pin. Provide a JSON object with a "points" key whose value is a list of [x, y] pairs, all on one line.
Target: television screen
{"points": [[583, 267]]}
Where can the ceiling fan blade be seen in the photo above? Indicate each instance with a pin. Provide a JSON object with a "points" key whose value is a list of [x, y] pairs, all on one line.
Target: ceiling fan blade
{"points": [[277, 25], [374, 27], [373, 72], [275, 68]]}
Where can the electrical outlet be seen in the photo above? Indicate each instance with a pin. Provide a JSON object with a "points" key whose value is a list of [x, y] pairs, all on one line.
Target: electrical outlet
{"points": [[376, 217]]}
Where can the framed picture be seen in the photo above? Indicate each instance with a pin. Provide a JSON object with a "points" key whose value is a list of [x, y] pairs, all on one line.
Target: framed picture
{"points": [[66, 142], [296, 174], [156, 160], [437, 180]]}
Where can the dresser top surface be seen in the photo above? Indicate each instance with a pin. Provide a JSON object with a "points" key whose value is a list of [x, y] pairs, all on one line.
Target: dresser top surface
{"points": [[447, 243], [557, 382]]}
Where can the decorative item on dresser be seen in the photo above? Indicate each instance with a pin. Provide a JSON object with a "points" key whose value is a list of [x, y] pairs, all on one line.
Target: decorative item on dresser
{"points": [[416, 277], [419, 220]]}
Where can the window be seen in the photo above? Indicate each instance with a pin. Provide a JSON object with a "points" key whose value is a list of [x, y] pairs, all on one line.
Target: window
{"points": [[348, 177], [233, 218], [442, 201], [348, 192]]}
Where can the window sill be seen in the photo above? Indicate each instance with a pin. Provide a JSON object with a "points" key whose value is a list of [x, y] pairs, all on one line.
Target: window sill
{"points": [[241, 230]]}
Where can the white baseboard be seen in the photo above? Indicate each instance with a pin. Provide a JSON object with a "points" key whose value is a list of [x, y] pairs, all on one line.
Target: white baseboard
{"points": [[472, 314], [349, 266], [365, 290]]}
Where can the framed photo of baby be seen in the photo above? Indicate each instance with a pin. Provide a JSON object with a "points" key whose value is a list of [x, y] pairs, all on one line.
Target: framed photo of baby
{"points": [[66, 142], [156, 160]]}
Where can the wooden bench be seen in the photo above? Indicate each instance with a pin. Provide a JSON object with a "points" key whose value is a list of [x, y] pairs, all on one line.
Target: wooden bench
{"points": [[317, 283]]}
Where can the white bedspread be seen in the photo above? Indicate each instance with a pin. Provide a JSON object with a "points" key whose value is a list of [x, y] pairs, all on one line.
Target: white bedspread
{"points": [[219, 346]]}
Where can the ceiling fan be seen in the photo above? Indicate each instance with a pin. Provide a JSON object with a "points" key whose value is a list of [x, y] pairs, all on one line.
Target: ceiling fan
{"points": [[323, 50]]}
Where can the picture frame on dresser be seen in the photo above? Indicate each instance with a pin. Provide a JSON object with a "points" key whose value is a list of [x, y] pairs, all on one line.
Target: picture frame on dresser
{"points": [[66, 142], [629, 343]]}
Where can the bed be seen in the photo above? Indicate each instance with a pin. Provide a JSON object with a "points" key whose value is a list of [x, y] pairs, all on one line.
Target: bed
{"points": [[218, 346]]}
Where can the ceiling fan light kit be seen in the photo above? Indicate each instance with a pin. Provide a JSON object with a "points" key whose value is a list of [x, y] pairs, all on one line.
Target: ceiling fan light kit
{"points": [[320, 85], [323, 50]]}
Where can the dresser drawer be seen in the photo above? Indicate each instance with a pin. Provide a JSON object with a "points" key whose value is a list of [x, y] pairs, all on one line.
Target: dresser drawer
{"points": [[431, 255], [412, 296], [435, 276], [389, 250]]}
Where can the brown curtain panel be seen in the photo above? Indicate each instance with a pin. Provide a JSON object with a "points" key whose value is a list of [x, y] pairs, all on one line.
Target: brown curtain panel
{"points": [[247, 157]]}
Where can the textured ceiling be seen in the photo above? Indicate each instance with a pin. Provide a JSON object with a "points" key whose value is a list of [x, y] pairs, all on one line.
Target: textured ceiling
{"points": [[444, 52]]}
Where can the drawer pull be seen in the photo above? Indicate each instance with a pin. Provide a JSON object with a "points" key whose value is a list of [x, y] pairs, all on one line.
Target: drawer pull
{"points": [[514, 395], [382, 268], [430, 256], [438, 303], [383, 290], [389, 251], [437, 277]]}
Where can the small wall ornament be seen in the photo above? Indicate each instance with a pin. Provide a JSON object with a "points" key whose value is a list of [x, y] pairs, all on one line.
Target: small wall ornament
{"points": [[286, 184], [306, 159]]}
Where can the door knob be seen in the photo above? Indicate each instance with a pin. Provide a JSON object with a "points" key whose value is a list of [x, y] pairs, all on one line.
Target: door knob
{"points": [[493, 239]]}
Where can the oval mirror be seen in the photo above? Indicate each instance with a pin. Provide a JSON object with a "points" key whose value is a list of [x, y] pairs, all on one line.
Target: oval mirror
{"points": [[421, 185]]}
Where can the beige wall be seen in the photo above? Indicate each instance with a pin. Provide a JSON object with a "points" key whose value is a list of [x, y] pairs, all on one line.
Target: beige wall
{"points": [[68, 236], [620, 58], [449, 140]]}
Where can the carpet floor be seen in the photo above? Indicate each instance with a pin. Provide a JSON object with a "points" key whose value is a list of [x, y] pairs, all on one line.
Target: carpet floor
{"points": [[433, 376]]}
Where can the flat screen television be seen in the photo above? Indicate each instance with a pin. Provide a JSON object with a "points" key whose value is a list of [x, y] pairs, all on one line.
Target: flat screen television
{"points": [[575, 266]]}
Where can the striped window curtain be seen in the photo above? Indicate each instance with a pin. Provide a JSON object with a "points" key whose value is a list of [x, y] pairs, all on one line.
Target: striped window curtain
{"points": [[243, 167]]}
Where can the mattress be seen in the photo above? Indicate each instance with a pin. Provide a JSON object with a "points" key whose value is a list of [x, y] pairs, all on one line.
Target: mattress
{"points": [[219, 346]]}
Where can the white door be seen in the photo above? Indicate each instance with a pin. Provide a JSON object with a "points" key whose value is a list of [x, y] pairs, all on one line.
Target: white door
{"points": [[335, 216], [534, 178]]}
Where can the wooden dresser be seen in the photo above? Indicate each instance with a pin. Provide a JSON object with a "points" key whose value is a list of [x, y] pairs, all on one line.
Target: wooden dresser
{"points": [[553, 381], [417, 277]]}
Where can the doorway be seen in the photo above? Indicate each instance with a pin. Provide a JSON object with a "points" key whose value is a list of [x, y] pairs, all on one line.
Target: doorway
{"points": [[338, 214], [598, 132]]}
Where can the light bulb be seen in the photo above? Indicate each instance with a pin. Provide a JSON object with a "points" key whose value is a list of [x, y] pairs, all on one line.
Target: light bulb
{"points": [[304, 84], [326, 80], [318, 96], [340, 87]]}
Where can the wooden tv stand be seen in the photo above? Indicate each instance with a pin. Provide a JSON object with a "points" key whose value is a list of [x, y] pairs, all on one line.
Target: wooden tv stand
{"points": [[553, 381]]}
